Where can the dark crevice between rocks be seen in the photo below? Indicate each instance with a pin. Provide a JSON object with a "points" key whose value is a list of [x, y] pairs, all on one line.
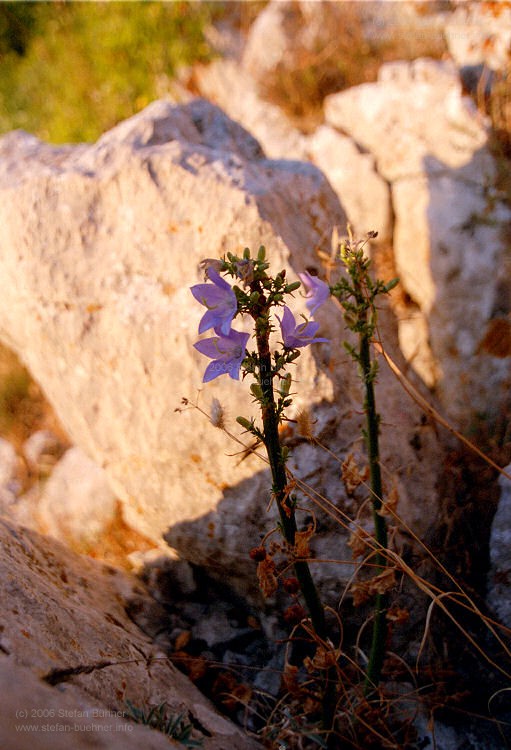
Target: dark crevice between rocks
{"points": [[224, 646]]}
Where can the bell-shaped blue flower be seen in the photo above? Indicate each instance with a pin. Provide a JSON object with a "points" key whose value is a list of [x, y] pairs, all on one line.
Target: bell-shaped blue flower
{"points": [[220, 300], [227, 353], [296, 335], [317, 291]]}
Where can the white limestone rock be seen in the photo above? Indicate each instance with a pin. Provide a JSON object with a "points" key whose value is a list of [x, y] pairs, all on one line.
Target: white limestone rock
{"points": [[430, 144], [414, 120], [364, 195], [42, 449], [9, 475], [102, 246], [233, 88], [353, 176], [76, 504], [479, 34]]}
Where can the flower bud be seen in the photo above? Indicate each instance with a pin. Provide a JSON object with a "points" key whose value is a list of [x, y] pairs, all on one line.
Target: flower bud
{"points": [[244, 422], [285, 385], [292, 287], [256, 391]]}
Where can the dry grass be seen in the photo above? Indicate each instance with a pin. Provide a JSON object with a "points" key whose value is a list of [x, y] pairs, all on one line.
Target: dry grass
{"points": [[23, 406], [342, 55]]}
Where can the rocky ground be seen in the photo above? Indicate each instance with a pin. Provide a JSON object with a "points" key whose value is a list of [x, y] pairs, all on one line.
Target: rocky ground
{"points": [[100, 245]]}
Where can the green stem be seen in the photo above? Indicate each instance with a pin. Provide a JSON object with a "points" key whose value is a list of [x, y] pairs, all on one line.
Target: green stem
{"points": [[379, 635]]}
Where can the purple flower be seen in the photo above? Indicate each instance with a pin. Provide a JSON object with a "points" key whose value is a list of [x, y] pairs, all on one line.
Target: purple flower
{"points": [[227, 353], [220, 301], [317, 291], [295, 336]]}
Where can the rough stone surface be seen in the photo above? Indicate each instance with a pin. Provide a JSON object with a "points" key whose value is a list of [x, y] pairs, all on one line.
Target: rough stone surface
{"points": [[77, 504], [392, 119], [232, 88], [353, 176], [479, 33], [100, 245], [499, 577], [113, 319], [36, 716], [41, 451], [9, 466], [449, 226], [64, 624]]}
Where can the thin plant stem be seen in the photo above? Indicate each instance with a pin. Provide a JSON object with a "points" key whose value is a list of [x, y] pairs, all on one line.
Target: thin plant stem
{"points": [[278, 470], [285, 507], [358, 301], [379, 635]]}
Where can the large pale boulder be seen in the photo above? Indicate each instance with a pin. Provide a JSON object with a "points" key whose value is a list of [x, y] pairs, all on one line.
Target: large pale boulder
{"points": [[112, 321], [99, 247], [353, 176], [431, 145], [71, 656]]}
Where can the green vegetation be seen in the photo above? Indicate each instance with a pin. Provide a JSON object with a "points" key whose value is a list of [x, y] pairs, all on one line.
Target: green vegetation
{"points": [[71, 70], [173, 725]]}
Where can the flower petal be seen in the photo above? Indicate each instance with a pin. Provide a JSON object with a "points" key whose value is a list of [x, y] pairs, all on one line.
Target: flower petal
{"points": [[318, 291], [214, 369]]}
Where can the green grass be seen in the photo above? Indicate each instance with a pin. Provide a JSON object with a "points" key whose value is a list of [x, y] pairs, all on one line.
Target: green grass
{"points": [[71, 70]]}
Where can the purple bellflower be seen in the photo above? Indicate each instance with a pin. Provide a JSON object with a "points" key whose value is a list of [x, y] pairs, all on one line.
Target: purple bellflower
{"points": [[220, 300], [317, 291], [295, 336], [227, 353]]}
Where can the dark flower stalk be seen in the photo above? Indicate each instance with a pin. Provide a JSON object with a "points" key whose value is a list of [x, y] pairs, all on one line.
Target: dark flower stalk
{"points": [[285, 504], [379, 636], [259, 295]]}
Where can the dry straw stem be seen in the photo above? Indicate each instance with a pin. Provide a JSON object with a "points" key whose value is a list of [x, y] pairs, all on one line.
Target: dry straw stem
{"points": [[433, 592]]}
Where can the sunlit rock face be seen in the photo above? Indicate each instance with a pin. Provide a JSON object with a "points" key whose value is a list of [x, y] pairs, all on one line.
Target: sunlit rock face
{"points": [[450, 248], [100, 246]]}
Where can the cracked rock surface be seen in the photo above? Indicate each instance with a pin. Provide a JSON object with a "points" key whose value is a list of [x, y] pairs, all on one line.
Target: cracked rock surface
{"points": [[71, 655]]}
